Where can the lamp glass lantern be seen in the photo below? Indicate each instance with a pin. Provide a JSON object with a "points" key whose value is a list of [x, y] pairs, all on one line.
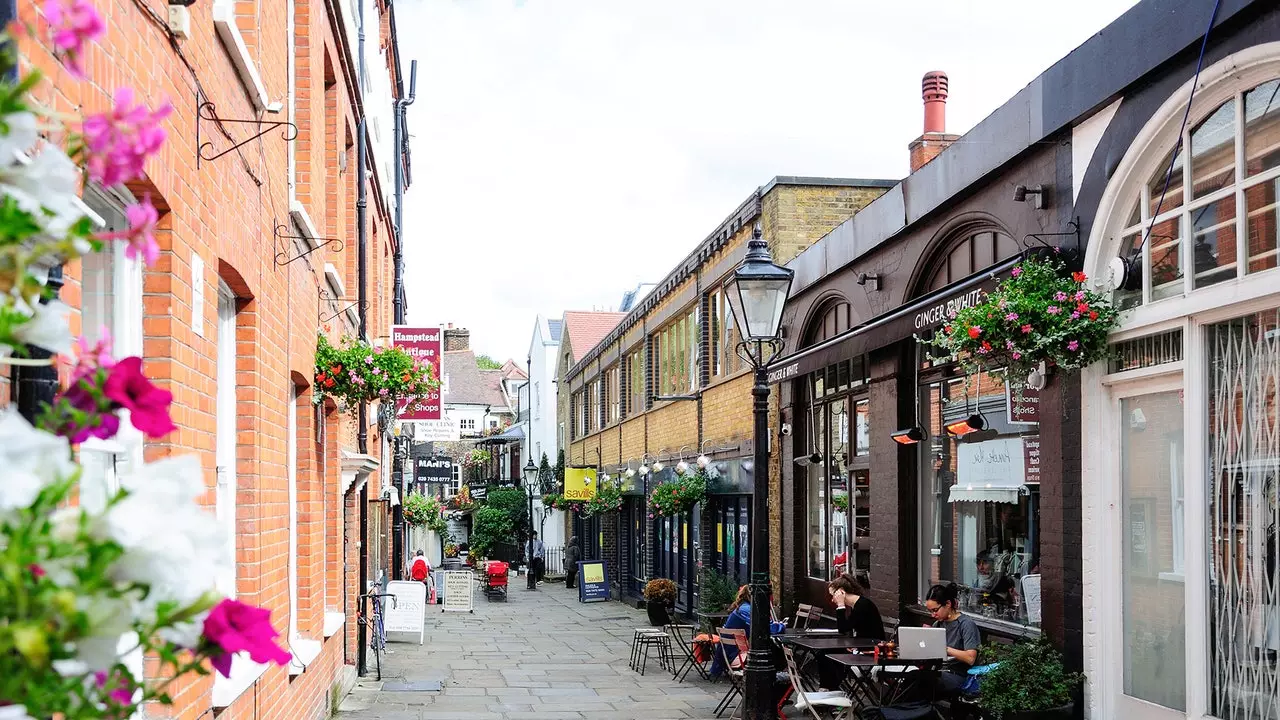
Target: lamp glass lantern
{"points": [[530, 475], [758, 291]]}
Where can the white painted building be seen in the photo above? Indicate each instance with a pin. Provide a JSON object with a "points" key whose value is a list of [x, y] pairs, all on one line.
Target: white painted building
{"points": [[537, 403]]}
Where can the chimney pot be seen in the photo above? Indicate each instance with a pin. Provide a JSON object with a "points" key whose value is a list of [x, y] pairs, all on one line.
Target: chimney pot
{"points": [[934, 92]]}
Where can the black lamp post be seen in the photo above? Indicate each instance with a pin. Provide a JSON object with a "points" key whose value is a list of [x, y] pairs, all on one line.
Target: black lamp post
{"points": [[530, 480], [757, 293]]}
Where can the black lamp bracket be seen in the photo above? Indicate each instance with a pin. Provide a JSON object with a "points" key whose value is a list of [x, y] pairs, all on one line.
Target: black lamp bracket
{"points": [[765, 351], [209, 113], [282, 258]]}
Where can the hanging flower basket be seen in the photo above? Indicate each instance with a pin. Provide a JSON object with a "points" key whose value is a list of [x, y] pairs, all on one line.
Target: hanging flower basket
{"points": [[424, 511], [840, 502], [355, 372], [462, 500], [608, 499], [553, 500], [678, 496], [1040, 314]]}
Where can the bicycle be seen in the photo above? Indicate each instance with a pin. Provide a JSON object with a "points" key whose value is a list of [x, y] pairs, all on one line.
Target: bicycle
{"points": [[374, 621]]}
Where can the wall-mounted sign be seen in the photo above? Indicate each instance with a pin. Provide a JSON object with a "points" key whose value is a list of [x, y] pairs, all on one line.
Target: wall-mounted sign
{"points": [[427, 469], [593, 581], [425, 344], [443, 430], [1022, 405], [1031, 458], [995, 463], [579, 483]]}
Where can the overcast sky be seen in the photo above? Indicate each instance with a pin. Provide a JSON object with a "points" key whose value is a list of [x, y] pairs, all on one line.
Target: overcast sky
{"points": [[566, 150]]}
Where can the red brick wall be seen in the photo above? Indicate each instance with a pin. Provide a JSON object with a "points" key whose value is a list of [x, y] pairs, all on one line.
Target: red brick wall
{"points": [[226, 211]]}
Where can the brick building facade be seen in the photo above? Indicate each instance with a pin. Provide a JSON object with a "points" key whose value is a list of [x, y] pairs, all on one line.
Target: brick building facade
{"points": [[259, 253], [665, 384]]}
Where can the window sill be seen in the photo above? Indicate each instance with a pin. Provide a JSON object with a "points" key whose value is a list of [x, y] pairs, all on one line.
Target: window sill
{"points": [[334, 279], [304, 653], [333, 622], [244, 673], [1173, 577], [303, 221], [224, 19]]}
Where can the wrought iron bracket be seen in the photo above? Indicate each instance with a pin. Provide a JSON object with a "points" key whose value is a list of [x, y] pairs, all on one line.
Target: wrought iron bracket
{"points": [[1074, 232], [326, 296], [206, 150], [282, 257]]}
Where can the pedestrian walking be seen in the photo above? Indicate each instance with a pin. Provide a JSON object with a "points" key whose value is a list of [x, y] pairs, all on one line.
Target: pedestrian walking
{"points": [[420, 571], [571, 557], [537, 560]]}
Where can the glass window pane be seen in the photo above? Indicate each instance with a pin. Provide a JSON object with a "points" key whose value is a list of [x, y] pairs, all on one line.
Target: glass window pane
{"points": [[1262, 128], [817, 500], [1154, 622], [1213, 238], [1264, 230], [1165, 244], [1129, 248], [862, 417], [1135, 215], [97, 283], [1244, 514], [1213, 151], [1156, 186]]}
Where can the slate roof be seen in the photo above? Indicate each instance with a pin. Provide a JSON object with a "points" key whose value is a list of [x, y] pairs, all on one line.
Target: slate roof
{"points": [[553, 327], [587, 329], [468, 384]]}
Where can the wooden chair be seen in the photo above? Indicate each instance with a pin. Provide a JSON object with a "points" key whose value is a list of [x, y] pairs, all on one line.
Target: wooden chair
{"points": [[834, 703], [811, 614]]}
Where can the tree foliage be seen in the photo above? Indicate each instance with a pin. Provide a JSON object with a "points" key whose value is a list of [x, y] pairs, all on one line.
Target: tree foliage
{"points": [[484, 362]]}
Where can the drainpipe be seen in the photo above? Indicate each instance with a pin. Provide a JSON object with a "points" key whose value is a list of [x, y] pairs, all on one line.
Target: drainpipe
{"points": [[362, 433], [402, 151]]}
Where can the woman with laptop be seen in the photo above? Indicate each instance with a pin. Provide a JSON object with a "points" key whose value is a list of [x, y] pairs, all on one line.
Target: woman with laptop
{"points": [[855, 613], [962, 633]]}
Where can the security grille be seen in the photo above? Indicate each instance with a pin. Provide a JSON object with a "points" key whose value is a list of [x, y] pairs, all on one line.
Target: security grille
{"points": [[1244, 441], [1147, 351]]}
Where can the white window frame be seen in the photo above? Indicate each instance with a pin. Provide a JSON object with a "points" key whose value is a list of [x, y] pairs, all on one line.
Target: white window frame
{"points": [[1192, 312], [456, 475]]}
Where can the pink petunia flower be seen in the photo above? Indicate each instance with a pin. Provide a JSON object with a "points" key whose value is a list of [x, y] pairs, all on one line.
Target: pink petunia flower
{"points": [[147, 404], [1016, 355], [1060, 296], [1073, 346], [120, 692], [90, 357], [1011, 317], [1016, 272], [1026, 329], [1053, 309], [140, 237], [75, 24], [233, 627], [117, 143]]}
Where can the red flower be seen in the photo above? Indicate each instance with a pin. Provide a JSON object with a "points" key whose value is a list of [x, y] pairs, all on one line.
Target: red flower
{"points": [[1082, 308], [147, 404], [1093, 316], [335, 369], [328, 383], [986, 345], [1079, 277], [233, 627], [947, 329], [975, 331], [1026, 329]]}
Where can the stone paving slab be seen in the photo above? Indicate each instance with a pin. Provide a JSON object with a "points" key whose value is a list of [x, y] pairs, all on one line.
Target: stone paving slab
{"points": [[541, 655]]}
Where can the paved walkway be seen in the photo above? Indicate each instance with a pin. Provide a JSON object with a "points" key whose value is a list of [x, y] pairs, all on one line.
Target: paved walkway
{"points": [[541, 655]]}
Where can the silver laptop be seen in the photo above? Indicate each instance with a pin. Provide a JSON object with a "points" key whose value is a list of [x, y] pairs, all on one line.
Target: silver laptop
{"points": [[922, 643]]}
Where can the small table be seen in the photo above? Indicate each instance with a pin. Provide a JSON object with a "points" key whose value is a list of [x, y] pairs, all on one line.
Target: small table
{"points": [[812, 647], [859, 666]]}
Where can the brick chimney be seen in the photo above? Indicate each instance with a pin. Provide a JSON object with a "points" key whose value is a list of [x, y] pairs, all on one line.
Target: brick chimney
{"points": [[935, 138], [456, 339]]}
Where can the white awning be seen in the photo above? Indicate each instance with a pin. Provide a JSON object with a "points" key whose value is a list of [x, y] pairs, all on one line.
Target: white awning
{"points": [[970, 493]]}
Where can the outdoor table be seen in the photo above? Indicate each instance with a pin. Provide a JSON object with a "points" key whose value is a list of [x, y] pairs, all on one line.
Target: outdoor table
{"points": [[810, 647], [858, 668]]}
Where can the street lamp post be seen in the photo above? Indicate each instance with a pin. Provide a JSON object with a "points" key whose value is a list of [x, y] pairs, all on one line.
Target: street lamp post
{"points": [[757, 293], [530, 479]]}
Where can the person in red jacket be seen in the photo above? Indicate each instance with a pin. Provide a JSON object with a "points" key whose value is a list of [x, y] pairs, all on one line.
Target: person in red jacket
{"points": [[420, 571]]}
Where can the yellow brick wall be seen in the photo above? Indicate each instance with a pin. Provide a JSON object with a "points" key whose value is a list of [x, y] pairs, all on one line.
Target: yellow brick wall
{"points": [[726, 411], [796, 216]]}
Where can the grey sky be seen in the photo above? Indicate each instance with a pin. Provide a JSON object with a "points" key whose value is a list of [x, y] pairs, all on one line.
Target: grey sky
{"points": [[565, 150]]}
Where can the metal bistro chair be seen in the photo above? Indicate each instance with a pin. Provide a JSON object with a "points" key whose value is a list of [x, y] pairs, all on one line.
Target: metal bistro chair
{"points": [[691, 662], [732, 670], [650, 637], [836, 702], [811, 614]]}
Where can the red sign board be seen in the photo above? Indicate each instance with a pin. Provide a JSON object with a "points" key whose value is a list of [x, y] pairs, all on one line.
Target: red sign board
{"points": [[426, 344], [1022, 404]]}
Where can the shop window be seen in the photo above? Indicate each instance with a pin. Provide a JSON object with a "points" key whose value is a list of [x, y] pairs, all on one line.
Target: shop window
{"points": [[969, 253], [722, 336], [981, 499], [1203, 200], [225, 435], [676, 348], [612, 395], [633, 368]]}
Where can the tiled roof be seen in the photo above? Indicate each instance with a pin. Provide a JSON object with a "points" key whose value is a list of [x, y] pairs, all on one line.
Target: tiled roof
{"points": [[512, 371], [553, 327], [468, 384], [586, 329]]}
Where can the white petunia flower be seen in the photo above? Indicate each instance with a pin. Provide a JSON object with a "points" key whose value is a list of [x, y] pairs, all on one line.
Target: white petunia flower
{"points": [[22, 136], [48, 328], [172, 544], [32, 460], [14, 712]]}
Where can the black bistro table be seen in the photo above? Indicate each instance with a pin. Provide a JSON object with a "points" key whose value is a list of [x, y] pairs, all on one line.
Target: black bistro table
{"points": [[863, 688], [810, 646]]}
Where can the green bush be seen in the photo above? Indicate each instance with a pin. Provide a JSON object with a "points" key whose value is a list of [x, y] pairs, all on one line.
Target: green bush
{"points": [[716, 592], [490, 526], [1029, 678]]}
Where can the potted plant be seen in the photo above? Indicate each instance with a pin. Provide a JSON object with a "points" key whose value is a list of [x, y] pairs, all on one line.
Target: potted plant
{"points": [[1038, 315], [659, 598], [678, 496], [1028, 682]]}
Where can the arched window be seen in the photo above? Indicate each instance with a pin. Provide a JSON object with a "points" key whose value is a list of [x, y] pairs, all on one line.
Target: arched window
{"points": [[971, 252], [1214, 218], [833, 317]]}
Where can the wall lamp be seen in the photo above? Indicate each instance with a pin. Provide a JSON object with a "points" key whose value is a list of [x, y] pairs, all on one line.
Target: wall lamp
{"points": [[873, 278], [657, 461], [909, 436], [1020, 193]]}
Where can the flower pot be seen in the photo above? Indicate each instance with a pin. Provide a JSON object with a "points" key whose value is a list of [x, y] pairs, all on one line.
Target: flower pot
{"points": [[659, 613], [1058, 713]]}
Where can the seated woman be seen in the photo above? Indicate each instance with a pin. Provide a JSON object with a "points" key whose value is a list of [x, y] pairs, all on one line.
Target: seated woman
{"points": [[855, 613], [963, 637], [739, 619]]}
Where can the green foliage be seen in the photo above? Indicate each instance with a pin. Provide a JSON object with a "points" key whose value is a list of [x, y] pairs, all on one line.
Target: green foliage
{"points": [[716, 592], [560, 467], [608, 499], [490, 526], [421, 510], [547, 480], [660, 591], [1029, 677], [840, 501], [1040, 314], [511, 501], [678, 496], [355, 372], [484, 362]]}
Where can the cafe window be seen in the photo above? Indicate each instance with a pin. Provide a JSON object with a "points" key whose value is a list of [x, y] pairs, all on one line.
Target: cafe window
{"points": [[980, 490], [595, 418], [612, 395], [723, 337], [633, 370], [967, 253], [833, 445], [676, 350]]}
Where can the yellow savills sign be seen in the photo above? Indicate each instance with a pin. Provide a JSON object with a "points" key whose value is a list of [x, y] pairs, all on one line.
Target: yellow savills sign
{"points": [[579, 483]]}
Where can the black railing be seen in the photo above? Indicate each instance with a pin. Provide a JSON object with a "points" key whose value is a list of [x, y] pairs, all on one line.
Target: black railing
{"points": [[555, 561]]}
